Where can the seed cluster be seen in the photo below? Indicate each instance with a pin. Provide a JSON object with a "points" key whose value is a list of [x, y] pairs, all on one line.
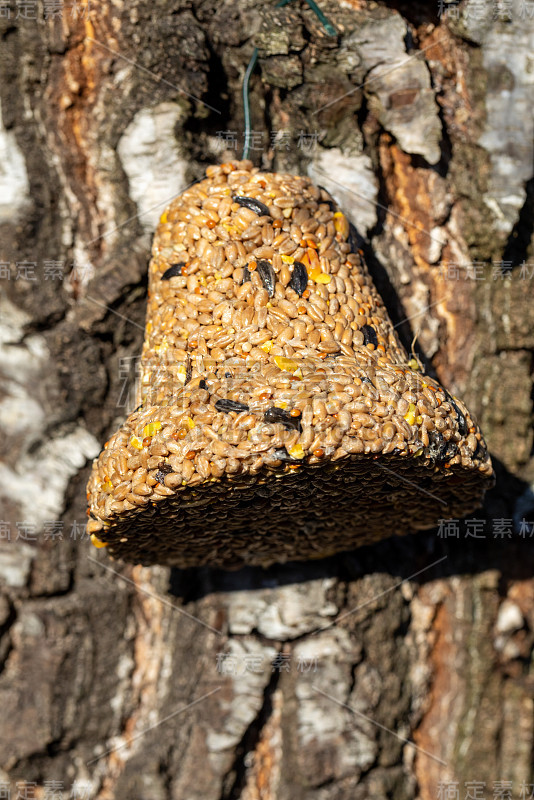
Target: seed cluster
{"points": [[278, 417]]}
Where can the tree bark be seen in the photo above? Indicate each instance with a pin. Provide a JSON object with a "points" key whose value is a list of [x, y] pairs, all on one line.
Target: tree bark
{"points": [[398, 670]]}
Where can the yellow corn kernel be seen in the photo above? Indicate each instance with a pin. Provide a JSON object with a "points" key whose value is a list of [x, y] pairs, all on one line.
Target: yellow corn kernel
{"points": [[286, 364], [287, 259], [410, 414], [266, 346], [96, 541], [161, 348], [136, 442], [181, 374], [319, 276], [151, 428], [419, 420], [341, 224], [107, 486], [189, 422], [163, 218], [296, 451]]}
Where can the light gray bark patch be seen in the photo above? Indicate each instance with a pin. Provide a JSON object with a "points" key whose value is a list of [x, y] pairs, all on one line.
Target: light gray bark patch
{"points": [[509, 131], [14, 184], [151, 158], [351, 182]]}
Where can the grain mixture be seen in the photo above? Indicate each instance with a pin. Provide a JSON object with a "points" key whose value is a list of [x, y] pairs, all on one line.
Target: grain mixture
{"points": [[278, 417]]}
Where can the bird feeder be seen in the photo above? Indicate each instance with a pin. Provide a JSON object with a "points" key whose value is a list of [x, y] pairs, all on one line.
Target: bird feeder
{"points": [[279, 416]]}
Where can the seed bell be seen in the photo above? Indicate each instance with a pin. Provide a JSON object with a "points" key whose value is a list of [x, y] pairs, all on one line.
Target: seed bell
{"points": [[278, 418]]}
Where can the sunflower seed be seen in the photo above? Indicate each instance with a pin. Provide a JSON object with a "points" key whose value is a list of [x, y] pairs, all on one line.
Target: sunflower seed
{"points": [[299, 278], [267, 275], [462, 425], [369, 335], [173, 271], [230, 405], [274, 414], [253, 204]]}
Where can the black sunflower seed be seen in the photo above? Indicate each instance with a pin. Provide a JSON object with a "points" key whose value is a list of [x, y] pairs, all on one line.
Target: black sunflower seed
{"points": [[369, 335], [452, 450], [230, 405], [202, 384], [246, 274], [165, 468], [267, 275], [299, 278], [173, 271], [160, 474], [274, 414], [254, 205], [330, 202], [437, 448], [460, 419]]}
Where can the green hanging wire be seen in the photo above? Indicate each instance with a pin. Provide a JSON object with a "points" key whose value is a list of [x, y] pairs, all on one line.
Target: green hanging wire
{"points": [[327, 25], [246, 101], [329, 28]]}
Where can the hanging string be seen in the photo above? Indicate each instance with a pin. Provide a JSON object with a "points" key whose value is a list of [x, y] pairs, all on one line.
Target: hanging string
{"points": [[246, 100], [331, 31], [327, 25]]}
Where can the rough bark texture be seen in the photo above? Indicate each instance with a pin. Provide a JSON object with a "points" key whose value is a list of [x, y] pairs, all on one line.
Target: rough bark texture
{"points": [[111, 682]]}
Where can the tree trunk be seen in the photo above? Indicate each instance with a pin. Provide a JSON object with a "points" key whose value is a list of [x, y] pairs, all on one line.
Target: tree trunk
{"points": [[400, 670]]}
